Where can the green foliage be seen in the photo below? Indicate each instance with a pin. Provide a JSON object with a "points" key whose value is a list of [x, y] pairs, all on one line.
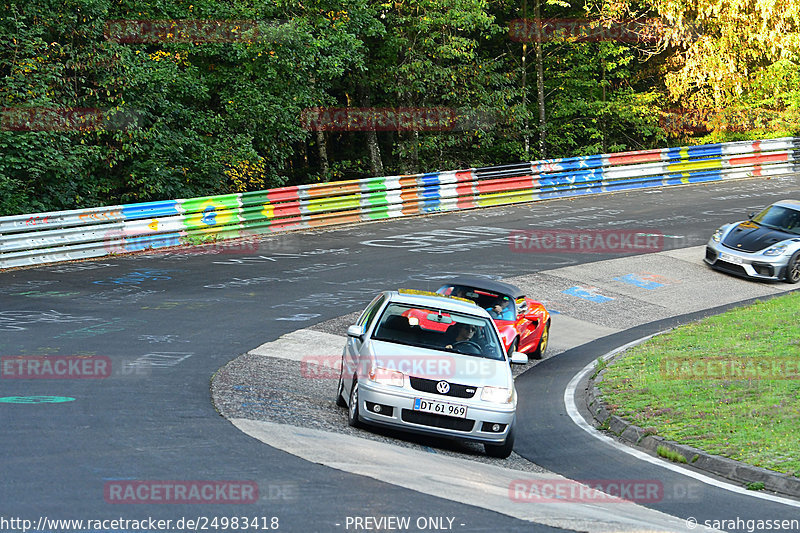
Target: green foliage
{"points": [[90, 118], [672, 455]]}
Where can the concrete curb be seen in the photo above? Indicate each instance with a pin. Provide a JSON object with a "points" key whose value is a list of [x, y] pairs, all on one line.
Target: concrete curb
{"points": [[730, 469]]}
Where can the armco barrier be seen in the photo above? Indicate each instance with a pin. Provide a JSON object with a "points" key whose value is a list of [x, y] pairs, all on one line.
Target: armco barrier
{"points": [[57, 236]]}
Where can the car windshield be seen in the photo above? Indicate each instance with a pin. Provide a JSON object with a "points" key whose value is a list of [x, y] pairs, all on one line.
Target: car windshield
{"points": [[428, 327], [779, 218], [499, 306]]}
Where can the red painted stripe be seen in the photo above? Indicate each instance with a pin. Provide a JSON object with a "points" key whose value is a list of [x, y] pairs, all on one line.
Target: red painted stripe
{"points": [[283, 194], [505, 184], [286, 210], [464, 190], [763, 158], [627, 158]]}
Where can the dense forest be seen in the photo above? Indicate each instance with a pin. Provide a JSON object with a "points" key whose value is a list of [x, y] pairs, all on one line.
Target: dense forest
{"points": [[120, 101]]}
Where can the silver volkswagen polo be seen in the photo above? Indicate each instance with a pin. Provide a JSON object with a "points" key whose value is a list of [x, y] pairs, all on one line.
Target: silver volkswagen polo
{"points": [[433, 364]]}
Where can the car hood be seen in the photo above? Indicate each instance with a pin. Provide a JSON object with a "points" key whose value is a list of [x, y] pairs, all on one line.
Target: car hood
{"points": [[750, 237], [438, 365]]}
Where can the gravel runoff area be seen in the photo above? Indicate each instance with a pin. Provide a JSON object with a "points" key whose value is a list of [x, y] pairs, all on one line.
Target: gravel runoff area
{"points": [[275, 390]]}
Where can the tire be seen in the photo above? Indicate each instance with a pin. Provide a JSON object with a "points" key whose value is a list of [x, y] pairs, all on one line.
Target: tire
{"points": [[352, 408], [793, 269], [339, 390], [502, 451], [544, 340]]}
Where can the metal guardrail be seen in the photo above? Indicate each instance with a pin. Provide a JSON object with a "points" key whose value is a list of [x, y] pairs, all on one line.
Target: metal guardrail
{"points": [[41, 238]]}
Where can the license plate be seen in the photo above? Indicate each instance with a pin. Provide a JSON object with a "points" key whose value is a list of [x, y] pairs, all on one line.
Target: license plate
{"points": [[728, 258], [440, 408]]}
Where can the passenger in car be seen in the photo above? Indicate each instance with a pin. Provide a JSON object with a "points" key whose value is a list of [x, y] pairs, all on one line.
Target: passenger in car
{"points": [[502, 310]]}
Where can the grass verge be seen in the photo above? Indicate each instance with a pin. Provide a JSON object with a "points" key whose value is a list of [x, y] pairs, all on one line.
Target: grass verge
{"points": [[729, 384]]}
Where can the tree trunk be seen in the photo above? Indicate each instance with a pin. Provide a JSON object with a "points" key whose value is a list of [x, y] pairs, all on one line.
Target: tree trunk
{"points": [[540, 80], [373, 148], [525, 132], [323, 154]]}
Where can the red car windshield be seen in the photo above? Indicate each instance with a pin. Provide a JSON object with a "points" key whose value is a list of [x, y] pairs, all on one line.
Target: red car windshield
{"points": [[499, 306]]}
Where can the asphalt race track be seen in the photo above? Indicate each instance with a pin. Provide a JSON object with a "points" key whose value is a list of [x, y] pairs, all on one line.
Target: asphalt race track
{"points": [[168, 322]]}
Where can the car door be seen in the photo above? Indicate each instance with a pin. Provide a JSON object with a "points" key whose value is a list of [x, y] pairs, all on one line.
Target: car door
{"points": [[526, 328]]}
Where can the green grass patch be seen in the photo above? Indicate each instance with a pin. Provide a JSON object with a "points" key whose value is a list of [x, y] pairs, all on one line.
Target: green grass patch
{"points": [[673, 456], [727, 384]]}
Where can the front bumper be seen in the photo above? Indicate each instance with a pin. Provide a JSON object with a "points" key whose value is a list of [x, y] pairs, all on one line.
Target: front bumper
{"points": [[751, 265], [477, 425]]}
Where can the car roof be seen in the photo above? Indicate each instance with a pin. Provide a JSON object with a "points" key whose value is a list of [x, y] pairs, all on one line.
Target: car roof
{"points": [[424, 298], [794, 204], [491, 285]]}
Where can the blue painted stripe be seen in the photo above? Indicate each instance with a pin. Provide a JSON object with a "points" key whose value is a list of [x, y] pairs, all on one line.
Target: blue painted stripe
{"points": [[693, 177], [638, 281], [150, 210], [588, 293], [429, 179]]}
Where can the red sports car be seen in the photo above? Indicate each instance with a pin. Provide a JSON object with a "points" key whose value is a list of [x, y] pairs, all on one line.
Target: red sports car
{"points": [[524, 324]]}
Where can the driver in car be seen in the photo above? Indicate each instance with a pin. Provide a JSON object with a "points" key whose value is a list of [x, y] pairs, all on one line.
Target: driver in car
{"points": [[463, 333]]}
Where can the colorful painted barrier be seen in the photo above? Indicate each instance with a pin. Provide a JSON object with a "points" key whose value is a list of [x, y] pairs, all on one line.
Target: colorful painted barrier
{"points": [[58, 236]]}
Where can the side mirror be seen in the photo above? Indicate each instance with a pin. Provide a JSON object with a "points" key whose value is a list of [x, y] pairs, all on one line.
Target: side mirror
{"points": [[751, 215], [356, 331], [519, 358]]}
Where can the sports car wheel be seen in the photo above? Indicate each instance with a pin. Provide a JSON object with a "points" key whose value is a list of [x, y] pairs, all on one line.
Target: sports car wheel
{"points": [[543, 340], [793, 269], [352, 410], [339, 391], [502, 451]]}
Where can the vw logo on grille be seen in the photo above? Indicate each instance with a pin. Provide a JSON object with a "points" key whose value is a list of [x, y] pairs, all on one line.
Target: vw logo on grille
{"points": [[443, 387]]}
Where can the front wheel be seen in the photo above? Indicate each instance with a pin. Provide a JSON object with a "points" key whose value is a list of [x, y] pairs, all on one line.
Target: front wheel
{"points": [[543, 340], [340, 393], [501, 451], [352, 409], [793, 269]]}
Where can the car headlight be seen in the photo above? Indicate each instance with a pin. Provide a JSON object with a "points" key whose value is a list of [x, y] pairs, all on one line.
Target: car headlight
{"points": [[717, 235], [384, 376], [778, 249], [496, 395]]}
